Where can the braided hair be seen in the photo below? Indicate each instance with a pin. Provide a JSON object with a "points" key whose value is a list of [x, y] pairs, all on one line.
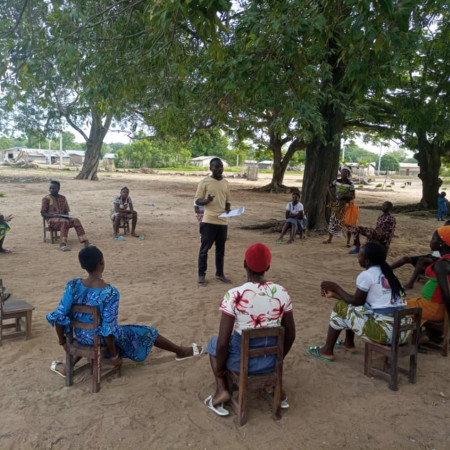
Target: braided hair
{"points": [[376, 254]]}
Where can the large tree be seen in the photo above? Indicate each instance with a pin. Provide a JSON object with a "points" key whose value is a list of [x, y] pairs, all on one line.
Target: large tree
{"points": [[84, 62]]}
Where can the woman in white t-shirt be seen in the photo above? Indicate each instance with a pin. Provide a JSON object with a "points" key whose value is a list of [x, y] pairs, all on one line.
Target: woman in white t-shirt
{"points": [[369, 312], [256, 304]]}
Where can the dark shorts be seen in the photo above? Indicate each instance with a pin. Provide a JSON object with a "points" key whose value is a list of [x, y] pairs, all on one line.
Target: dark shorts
{"points": [[414, 259], [257, 365]]}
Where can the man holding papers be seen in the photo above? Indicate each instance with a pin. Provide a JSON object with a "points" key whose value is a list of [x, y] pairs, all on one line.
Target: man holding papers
{"points": [[214, 194]]}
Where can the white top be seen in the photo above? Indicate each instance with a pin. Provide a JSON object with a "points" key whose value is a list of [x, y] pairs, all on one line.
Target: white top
{"points": [[379, 294], [256, 305], [294, 209]]}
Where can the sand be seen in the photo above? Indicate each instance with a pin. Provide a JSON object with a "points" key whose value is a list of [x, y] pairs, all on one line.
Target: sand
{"points": [[158, 403]]}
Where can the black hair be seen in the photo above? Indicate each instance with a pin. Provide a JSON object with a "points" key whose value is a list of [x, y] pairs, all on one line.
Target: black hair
{"points": [[215, 160], [55, 182], [90, 257], [376, 254], [124, 188], [296, 193], [390, 204]]}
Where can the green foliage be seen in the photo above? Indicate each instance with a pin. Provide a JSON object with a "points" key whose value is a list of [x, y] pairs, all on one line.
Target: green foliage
{"points": [[389, 163], [152, 154], [353, 153]]}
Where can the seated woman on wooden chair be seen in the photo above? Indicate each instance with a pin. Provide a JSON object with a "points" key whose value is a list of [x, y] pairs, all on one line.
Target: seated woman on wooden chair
{"points": [[123, 210], [257, 303], [123, 341], [369, 312], [436, 292]]}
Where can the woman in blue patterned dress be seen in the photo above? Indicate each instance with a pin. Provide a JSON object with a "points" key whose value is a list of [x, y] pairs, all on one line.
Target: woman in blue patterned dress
{"points": [[123, 341]]}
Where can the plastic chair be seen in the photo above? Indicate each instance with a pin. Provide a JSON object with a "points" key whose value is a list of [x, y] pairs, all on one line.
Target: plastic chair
{"points": [[393, 352], [93, 353], [250, 383]]}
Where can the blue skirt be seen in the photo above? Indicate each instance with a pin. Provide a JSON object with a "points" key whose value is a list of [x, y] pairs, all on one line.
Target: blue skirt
{"points": [[135, 341], [256, 365]]}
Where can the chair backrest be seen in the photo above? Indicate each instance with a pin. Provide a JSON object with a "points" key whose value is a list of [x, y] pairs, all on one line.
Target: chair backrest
{"points": [[406, 320], [94, 311], [277, 349]]}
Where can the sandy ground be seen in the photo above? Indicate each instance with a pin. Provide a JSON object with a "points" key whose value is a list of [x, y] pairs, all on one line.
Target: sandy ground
{"points": [[158, 403]]}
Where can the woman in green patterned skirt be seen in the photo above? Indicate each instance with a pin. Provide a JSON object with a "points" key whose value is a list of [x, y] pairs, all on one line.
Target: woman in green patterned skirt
{"points": [[369, 312]]}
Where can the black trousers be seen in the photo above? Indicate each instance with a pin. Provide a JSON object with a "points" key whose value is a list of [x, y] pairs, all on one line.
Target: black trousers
{"points": [[212, 233]]}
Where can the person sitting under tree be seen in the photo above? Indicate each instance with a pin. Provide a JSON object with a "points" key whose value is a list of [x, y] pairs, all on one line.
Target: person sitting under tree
{"points": [[55, 210], [124, 210], [382, 233], [4, 228], [294, 219]]}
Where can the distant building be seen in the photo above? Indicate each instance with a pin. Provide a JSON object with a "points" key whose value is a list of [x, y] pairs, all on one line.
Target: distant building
{"points": [[76, 157], [109, 162], [203, 161], [409, 169], [263, 165], [39, 156], [360, 170]]}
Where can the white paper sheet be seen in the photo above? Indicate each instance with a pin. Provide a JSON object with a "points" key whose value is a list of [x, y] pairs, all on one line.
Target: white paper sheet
{"points": [[233, 213]]}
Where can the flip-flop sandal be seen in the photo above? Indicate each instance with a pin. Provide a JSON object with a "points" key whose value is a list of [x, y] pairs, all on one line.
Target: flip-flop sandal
{"points": [[64, 249], [53, 367], [340, 344], [353, 252], [218, 409], [314, 351], [197, 350]]}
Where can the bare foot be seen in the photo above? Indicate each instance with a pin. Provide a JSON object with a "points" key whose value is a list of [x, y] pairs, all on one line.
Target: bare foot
{"points": [[409, 285], [326, 242], [86, 243], [290, 241], [134, 235]]}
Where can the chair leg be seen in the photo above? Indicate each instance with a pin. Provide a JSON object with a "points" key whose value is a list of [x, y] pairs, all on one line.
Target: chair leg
{"points": [[96, 373], [277, 402], [242, 405], [413, 368], [367, 359], [393, 383], [28, 325], [69, 369]]}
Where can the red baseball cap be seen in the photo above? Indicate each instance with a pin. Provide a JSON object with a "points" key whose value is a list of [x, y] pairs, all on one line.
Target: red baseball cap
{"points": [[258, 257]]}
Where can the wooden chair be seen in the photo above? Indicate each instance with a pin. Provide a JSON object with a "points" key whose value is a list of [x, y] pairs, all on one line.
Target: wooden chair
{"points": [[54, 236], [93, 353], [15, 311], [245, 382], [393, 352], [124, 224], [445, 334]]}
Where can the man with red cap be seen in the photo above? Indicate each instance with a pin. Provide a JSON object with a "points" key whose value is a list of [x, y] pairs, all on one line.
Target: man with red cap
{"points": [[256, 304]]}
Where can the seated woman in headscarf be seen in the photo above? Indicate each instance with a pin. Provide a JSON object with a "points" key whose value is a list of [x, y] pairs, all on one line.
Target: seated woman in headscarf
{"points": [[256, 304], [436, 291], [123, 341], [369, 312]]}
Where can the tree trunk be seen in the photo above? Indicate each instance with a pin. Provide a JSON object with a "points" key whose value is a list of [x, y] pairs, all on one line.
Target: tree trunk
{"points": [[321, 167], [429, 159], [94, 146], [280, 164]]}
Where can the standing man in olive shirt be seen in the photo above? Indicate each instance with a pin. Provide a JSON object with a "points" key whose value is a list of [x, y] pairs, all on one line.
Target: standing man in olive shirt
{"points": [[214, 194]]}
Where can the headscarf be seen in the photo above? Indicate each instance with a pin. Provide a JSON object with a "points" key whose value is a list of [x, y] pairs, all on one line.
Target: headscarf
{"points": [[258, 257]]}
